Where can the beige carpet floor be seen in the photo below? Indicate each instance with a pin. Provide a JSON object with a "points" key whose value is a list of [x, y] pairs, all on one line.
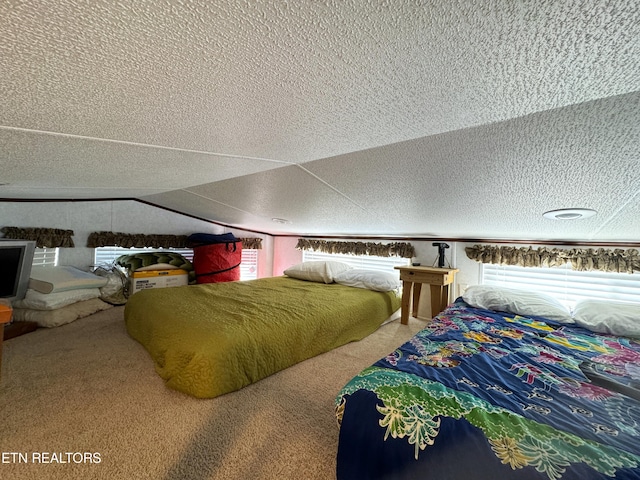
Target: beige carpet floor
{"points": [[88, 388]]}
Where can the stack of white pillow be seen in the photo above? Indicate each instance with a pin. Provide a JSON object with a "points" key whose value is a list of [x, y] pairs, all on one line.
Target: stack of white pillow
{"points": [[60, 295]]}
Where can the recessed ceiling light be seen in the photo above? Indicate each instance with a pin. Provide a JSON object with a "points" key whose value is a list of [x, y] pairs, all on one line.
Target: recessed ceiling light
{"points": [[569, 213], [281, 220]]}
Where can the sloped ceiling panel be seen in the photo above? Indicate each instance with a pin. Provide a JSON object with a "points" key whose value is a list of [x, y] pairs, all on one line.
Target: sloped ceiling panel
{"points": [[497, 180], [54, 165], [289, 194]]}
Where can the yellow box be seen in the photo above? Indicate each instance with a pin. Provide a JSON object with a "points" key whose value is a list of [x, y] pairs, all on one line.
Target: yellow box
{"points": [[158, 279]]}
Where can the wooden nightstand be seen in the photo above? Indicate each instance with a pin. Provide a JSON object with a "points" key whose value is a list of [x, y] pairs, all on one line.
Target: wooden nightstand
{"points": [[413, 278]]}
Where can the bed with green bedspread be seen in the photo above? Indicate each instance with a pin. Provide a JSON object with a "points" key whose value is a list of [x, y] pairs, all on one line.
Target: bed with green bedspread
{"points": [[211, 339]]}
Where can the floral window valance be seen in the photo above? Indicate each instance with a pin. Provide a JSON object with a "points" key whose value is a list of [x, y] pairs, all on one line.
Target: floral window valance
{"points": [[582, 259], [405, 250], [138, 240], [44, 237], [251, 243]]}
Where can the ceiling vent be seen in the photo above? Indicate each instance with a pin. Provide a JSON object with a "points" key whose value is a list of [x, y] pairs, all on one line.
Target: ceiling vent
{"points": [[569, 213]]}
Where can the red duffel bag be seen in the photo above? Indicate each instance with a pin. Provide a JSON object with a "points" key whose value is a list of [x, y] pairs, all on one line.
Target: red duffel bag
{"points": [[217, 260]]}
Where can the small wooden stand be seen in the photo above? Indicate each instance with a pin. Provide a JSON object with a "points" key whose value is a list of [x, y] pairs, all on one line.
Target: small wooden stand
{"points": [[413, 278]]}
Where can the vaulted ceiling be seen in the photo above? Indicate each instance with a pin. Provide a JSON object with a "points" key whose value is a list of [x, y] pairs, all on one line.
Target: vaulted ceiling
{"points": [[453, 119]]}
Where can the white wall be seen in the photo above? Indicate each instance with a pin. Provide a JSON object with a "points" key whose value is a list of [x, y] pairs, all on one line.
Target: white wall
{"points": [[126, 216], [285, 254]]}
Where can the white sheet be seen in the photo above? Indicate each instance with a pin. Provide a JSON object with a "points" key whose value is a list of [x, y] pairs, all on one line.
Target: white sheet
{"points": [[51, 301]]}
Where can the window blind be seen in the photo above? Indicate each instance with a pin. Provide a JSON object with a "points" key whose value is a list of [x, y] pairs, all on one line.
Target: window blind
{"points": [[249, 265], [565, 284], [369, 262], [45, 256]]}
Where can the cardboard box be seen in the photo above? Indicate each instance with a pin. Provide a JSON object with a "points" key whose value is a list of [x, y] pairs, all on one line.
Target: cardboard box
{"points": [[158, 279]]}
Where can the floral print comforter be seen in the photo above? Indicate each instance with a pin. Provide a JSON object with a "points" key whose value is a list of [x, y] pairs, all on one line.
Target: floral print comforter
{"points": [[485, 395]]}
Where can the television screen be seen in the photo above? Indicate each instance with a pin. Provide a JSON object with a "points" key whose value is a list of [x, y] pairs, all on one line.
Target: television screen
{"points": [[16, 258], [10, 262]]}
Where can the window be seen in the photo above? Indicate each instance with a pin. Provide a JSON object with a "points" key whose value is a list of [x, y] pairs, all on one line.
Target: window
{"points": [[45, 257], [249, 265], [370, 262], [565, 284], [107, 255]]}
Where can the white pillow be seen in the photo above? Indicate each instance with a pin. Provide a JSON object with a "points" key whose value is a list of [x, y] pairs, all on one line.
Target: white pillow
{"points": [[50, 301], [517, 301], [60, 316], [320, 271], [369, 279], [603, 316], [62, 278]]}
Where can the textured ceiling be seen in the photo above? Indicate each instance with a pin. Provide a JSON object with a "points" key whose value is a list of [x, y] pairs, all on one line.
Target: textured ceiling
{"points": [[425, 118]]}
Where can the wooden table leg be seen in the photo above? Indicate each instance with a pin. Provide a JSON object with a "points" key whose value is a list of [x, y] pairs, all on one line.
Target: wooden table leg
{"points": [[444, 300], [439, 298], [406, 299], [417, 288]]}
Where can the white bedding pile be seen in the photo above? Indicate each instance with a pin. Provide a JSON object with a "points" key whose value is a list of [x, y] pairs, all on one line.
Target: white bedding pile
{"points": [[601, 316], [60, 295]]}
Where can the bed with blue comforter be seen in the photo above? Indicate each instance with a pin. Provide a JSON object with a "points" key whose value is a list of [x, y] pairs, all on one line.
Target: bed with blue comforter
{"points": [[480, 394]]}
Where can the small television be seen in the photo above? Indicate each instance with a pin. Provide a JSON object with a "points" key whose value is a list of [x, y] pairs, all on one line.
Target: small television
{"points": [[16, 258]]}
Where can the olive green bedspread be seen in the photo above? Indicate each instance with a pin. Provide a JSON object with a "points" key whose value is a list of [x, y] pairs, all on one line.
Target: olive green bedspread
{"points": [[211, 339]]}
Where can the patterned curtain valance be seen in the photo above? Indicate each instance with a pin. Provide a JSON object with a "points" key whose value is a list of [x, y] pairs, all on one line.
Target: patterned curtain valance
{"points": [[404, 250], [582, 259], [137, 240], [251, 243], [44, 237], [605, 260]]}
